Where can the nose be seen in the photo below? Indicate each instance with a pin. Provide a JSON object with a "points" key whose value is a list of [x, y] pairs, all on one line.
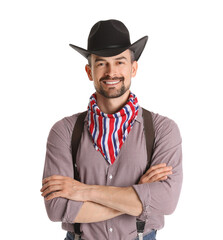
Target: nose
{"points": [[111, 70]]}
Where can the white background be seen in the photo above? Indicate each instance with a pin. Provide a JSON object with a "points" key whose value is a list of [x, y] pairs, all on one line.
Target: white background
{"points": [[43, 80]]}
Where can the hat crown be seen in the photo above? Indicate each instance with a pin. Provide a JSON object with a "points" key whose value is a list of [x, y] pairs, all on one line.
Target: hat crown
{"points": [[108, 34]]}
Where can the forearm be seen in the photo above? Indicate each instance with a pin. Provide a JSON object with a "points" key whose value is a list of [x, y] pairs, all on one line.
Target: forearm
{"points": [[122, 199], [93, 212]]}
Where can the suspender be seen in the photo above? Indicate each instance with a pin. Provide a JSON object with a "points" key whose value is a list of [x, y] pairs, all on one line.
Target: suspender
{"points": [[149, 135], [75, 141], [76, 137]]}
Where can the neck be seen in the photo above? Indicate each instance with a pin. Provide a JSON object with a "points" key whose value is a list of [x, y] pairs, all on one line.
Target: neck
{"points": [[112, 105]]}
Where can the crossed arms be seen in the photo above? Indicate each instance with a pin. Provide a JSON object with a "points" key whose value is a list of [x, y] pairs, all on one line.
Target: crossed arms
{"points": [[101, 202]]}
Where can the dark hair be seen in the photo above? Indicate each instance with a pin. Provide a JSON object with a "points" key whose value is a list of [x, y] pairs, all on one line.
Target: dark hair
{"points": [[131, 53]]}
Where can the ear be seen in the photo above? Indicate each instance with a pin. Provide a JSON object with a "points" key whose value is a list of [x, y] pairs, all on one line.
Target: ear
{"points": [[88, 71], [134, 68]]}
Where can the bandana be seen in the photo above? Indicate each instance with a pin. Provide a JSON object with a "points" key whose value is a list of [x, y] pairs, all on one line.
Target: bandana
{"points": [[109, 131]]}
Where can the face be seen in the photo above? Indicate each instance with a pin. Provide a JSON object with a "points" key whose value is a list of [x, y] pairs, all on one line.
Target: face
{"points": [[112, 75]]}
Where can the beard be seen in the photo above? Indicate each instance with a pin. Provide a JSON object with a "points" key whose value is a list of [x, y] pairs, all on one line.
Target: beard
{"points": [[112, 92]]}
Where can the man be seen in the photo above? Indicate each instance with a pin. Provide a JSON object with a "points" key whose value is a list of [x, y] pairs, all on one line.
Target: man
{"points": [[114, 188]]}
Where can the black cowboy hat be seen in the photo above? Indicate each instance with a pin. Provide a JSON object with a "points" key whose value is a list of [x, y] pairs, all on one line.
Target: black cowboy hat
{"points": [[110, 38]]}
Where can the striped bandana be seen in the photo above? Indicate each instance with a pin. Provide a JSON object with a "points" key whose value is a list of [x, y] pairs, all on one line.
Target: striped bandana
{"points": [[109, 131]]}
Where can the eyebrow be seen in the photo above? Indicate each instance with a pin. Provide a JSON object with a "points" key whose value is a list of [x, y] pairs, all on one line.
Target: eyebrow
{"points": [[101, 59], [120, 58]]}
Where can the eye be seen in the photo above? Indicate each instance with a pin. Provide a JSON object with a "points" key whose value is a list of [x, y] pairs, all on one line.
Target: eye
{"points": [[119, 63], [100, 64]]}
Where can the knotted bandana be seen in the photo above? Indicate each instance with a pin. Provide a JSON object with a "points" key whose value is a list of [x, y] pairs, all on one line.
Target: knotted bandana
{"points": [[109, 131]]}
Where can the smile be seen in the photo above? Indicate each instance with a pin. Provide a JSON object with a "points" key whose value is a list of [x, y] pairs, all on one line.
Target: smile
{"points": [[111, 82]]}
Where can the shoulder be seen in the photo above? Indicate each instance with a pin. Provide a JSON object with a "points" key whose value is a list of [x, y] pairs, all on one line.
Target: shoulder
{"points": [[163, 123], [63, 128], [65, 124], [165, 128]]}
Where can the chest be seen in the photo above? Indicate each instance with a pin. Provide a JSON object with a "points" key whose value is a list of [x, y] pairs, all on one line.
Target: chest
{"points": [[127, 168]]}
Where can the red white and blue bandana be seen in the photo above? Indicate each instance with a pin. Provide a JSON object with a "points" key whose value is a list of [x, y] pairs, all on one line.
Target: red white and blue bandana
{"points": [[109, 131]]}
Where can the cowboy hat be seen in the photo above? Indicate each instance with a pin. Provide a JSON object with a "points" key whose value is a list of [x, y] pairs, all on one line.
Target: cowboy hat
{"points": [[109, 38]]}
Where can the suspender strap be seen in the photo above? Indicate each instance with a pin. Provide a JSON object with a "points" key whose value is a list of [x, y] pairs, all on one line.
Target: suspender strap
{"points": [[149, 135], [76, 137], [75, 141]]}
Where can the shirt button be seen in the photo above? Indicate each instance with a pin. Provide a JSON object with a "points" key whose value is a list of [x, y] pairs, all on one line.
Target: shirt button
{"points": [[110, 229], [110, 177]]}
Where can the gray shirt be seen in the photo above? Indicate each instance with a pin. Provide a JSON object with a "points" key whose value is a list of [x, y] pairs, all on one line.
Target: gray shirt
{"points": [[158, 198]]}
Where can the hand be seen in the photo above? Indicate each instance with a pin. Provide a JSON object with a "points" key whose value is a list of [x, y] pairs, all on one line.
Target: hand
{"points": [[156, 173], [66, 187]]}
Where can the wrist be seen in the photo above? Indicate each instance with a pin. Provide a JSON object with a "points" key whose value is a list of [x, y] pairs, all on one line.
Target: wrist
{"points": [[91, 193], [88, 194]]}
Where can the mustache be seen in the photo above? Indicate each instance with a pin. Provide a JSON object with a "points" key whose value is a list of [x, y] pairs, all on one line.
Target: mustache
{"points": [[114, 78]]}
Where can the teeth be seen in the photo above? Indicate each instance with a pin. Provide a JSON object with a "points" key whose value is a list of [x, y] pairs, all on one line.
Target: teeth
{"points": [[112, 82]]}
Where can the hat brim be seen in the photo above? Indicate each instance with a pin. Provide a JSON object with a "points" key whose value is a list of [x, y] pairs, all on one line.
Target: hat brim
{"points": [[137, 47]]}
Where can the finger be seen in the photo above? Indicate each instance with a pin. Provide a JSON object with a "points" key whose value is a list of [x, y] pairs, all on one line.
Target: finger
{"points": [[157, 171], [160, 175], [162, 179], [53, 177], [51, 189], [51, 183], [161, 165], [54, 195], [154, 178]]}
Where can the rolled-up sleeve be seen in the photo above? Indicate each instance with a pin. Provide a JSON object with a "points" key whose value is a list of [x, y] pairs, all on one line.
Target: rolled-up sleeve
{"points": [[161, 197], [58, 161]]}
